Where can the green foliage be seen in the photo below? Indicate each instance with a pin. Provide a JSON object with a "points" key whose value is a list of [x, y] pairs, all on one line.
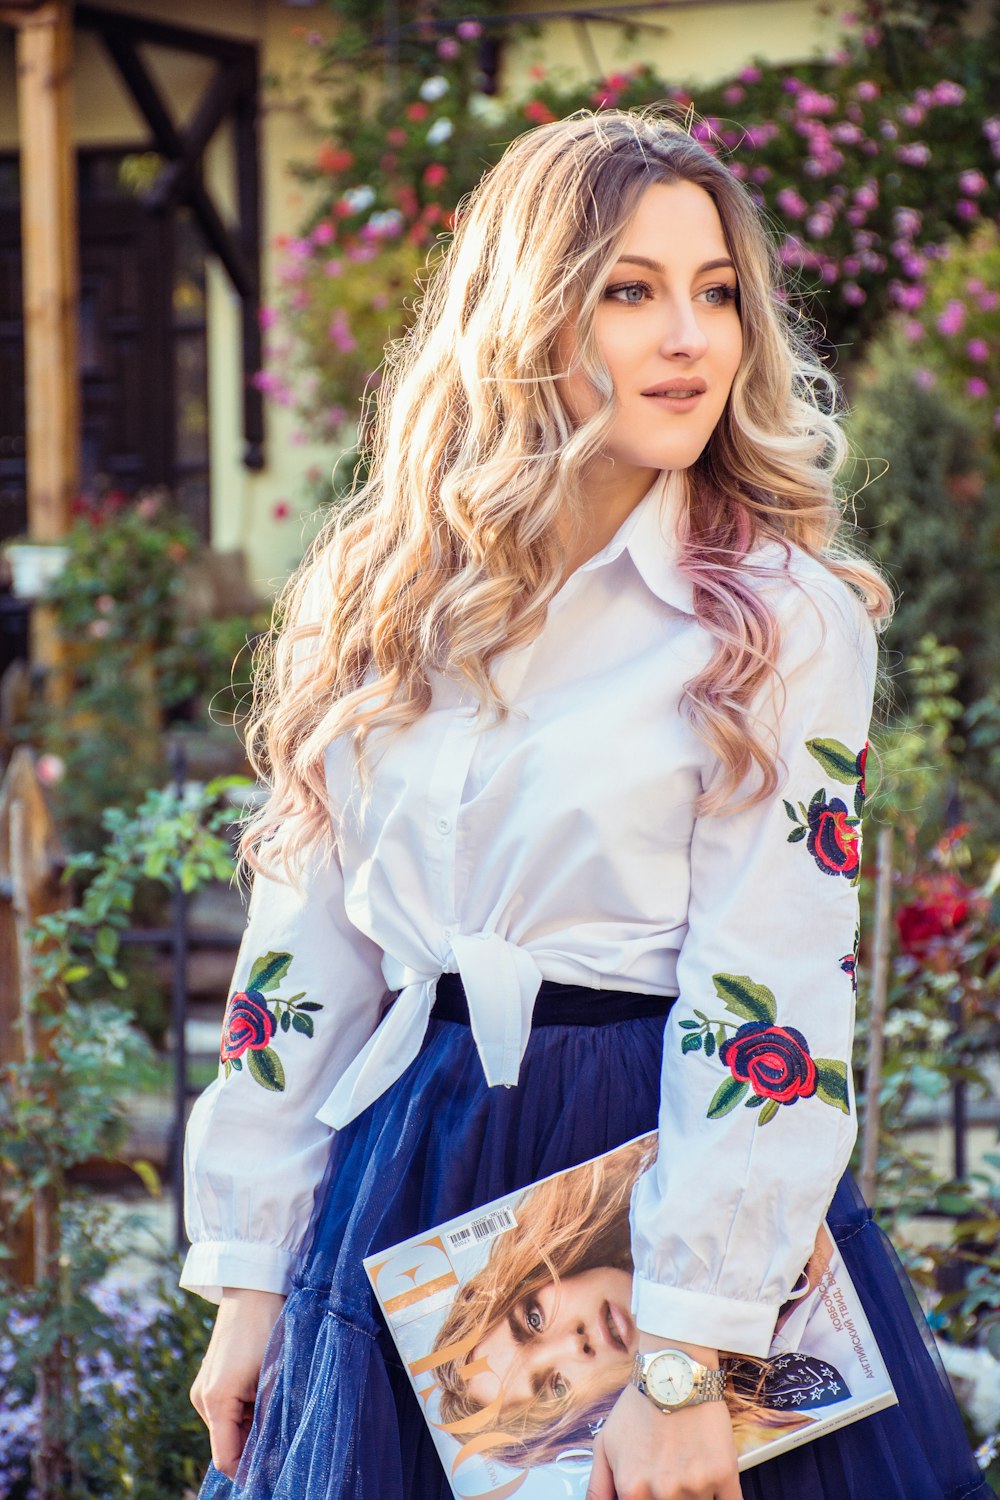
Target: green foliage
{"points": [[132, 661], [130, 1357], [64, 1104]]}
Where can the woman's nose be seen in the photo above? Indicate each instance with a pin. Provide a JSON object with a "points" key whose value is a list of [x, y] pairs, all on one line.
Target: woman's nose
{"points": [[572, 1342], [683, 333]]}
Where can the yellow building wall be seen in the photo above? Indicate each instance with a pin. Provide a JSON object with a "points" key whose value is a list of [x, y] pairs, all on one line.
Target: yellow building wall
{"points": [[687, 42]]}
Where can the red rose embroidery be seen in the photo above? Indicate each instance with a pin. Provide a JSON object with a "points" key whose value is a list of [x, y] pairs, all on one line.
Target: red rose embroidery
{"points": [[833, 843], [248, 1026], [774, 1060]]}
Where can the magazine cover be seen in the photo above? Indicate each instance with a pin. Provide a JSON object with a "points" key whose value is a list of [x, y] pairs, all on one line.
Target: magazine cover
{"points": [[514, 1324]]}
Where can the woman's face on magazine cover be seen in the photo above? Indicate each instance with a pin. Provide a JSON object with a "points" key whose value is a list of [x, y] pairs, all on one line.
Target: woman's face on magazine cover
{"points": [[668, 328], [567, 1336]]}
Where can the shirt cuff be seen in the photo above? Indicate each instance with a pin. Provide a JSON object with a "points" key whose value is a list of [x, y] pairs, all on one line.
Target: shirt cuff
{"points": [[212, 1265], [672, 1312]]}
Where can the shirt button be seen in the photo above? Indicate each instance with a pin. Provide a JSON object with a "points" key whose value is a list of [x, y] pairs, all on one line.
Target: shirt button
{"points": [[448, 932], [444, 825]]}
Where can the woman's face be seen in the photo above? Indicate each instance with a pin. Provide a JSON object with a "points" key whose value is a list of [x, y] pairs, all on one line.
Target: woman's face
{"points": [[669, 331], [572, 1336]]}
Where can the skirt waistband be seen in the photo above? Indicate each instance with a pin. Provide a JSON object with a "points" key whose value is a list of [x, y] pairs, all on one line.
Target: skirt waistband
{"points": [[560, 1004]]}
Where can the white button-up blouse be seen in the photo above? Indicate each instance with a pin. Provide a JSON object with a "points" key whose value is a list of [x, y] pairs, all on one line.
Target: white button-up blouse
{"points": [[562, 843]]}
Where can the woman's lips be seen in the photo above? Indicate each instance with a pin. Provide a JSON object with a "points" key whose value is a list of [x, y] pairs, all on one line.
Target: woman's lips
{"points": [[675, 400], [619, 1327]]}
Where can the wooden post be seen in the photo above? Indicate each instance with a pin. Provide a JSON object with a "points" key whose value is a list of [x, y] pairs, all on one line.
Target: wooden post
{"points": [[49, 252], [31, 856], [876, 1018], [50, 276]]}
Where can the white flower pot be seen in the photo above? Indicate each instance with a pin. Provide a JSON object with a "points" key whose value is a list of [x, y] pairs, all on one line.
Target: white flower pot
{"points": [[34, 567]]}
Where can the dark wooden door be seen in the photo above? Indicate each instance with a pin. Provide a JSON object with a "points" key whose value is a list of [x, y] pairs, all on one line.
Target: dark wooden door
{"points": [[126, 356], [143, 350]]}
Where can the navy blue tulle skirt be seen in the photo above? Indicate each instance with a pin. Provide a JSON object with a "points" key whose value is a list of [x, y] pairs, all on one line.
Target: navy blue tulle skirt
{"points": [[336, 1417]]}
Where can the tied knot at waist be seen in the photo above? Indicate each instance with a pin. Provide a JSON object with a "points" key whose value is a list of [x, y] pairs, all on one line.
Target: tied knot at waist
{"points": [[496, 991]]}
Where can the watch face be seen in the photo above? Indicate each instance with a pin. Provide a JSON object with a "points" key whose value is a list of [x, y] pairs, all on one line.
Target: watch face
{"points": [[669, 1379]]}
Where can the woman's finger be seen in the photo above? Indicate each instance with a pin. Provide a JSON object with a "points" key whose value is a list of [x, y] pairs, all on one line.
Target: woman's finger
{"points": [[602, 1484], [229, 1420]]}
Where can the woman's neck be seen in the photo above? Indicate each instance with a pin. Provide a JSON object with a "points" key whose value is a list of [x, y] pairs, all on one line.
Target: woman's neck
{"points": [[609, 495]]}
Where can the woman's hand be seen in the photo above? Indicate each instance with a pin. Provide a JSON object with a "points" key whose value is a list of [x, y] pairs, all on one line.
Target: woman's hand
{"points": [[642, 1453], [225, 1387]]}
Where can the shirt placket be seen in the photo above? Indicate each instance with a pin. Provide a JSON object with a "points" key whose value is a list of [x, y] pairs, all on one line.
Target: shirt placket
{"points": [[446, 786]]}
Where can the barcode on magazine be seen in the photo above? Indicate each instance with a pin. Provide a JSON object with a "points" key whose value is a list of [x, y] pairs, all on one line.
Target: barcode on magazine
{"points": [[478, 1231]]}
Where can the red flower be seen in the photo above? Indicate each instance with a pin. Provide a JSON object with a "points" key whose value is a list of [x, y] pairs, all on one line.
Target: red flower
{"points": [[248, 1025], [939, 914], [538, 112], [435, 174], [416, 111], [333, 159], [774, 1060], [832, 842]]}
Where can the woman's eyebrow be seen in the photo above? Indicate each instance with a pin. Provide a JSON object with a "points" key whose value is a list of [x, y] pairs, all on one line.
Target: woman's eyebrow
{"points": [[724, 263]]}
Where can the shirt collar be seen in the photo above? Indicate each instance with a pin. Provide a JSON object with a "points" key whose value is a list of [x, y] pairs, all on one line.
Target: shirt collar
{"points": [[650, 535]]}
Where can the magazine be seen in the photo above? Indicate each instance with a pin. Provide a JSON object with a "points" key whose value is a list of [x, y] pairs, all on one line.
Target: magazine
{"points": [[514, 1325]]}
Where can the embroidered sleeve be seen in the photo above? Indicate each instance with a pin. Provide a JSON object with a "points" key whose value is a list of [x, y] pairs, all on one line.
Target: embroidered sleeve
{"points": [[757, 1113], [306, 995]]}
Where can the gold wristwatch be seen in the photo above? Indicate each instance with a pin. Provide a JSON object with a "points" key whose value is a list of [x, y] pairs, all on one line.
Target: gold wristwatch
{"points": [[672, 1379]]}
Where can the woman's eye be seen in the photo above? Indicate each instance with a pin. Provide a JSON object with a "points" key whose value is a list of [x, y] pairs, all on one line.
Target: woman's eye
{"points": [[533, 1317], [631, 293], [560, 1389], [719, 296]]}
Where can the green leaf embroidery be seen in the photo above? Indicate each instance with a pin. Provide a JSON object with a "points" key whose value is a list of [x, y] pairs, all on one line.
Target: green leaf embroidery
{"points": [[709, 1044], [835, 758], [685, 1025], [790, 810], [228, 1067], [726, 1097], [312, 1005], [303, 1024], [265, 1066], [286, 1020], [755, 1101], [831, 1082], [818, 797], [268, 972], [796, 835], [768, 1112], [237, 1063], [692, 1042], [754, 1002]]}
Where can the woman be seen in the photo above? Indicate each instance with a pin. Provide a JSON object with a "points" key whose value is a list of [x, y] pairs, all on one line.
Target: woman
{"points": [[552, 1338], [544, 704]]}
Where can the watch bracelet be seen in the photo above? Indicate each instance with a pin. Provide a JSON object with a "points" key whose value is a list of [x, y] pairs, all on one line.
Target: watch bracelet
{"points": [[710, 1387]]}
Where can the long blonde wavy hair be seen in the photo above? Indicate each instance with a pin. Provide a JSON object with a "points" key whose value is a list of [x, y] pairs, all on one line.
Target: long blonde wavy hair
{"points": [[450, 550], [573, 1223]]}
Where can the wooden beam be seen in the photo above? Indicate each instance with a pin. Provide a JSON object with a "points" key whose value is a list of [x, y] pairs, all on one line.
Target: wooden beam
{"points": [[49, 254]]}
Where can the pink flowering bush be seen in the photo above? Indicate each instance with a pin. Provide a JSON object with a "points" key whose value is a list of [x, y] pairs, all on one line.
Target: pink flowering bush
{"points": [[868, 165], [956, 332]]}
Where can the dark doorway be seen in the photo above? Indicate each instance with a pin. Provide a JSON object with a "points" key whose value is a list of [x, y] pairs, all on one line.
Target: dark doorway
{"points": [[143, 346]]}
